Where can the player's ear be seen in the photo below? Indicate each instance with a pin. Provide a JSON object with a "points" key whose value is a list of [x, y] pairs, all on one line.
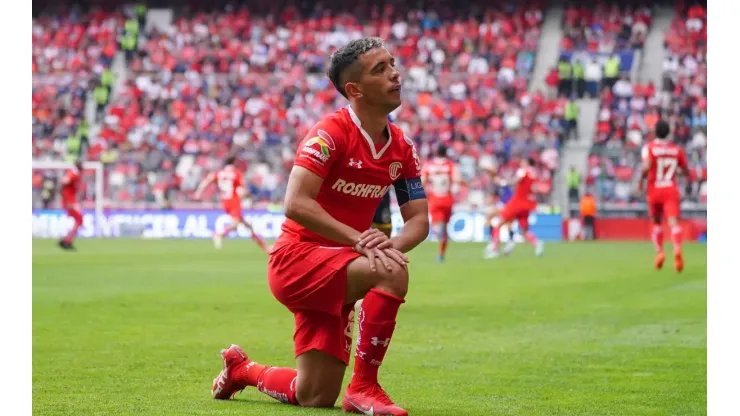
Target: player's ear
{"points": [[353, 90]]}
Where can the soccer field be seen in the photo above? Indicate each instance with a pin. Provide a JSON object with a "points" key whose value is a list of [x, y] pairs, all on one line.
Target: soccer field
{"points": [[135, 327]]}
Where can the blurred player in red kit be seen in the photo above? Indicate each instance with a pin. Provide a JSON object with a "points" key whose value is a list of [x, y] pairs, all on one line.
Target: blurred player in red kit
{"points": [[230, 183], [438, 176], [662, 161], [522, 204], [71, 184], [328, 257]]}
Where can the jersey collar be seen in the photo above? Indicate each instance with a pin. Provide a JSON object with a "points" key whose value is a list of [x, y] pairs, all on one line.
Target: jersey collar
{"points": [[376, 154]]}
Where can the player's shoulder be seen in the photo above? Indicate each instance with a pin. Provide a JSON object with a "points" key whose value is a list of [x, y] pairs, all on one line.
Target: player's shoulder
{"points": [[404, 143], [396, 131], [337, 121], [331, 129]]}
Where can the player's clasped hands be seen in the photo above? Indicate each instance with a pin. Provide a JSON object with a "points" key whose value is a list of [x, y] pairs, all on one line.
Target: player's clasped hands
{"points": [[376, 246]]}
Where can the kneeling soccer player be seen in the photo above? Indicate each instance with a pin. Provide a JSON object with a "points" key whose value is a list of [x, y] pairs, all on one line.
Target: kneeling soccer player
{"points": [[327, 257]]}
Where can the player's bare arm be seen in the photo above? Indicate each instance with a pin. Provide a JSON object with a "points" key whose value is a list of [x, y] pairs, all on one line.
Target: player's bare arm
{"points": [[203, 185], [415, 229], [242, 192], [301, 207]]}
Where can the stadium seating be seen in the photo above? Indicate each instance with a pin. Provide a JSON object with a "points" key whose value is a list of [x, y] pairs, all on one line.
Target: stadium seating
{"points": [[232, 79], [69, 52], [629, 113]]}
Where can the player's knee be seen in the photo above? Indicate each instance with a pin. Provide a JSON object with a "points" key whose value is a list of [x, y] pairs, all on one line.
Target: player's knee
{"points": [[395, 281]]}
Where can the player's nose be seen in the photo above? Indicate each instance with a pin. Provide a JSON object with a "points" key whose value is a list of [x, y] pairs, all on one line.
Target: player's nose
{"points": [[395, 76]]}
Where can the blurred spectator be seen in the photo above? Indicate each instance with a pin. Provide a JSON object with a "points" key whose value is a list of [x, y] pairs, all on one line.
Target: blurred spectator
{"points": [[611, 70], [571, 118], [588, 216], [579, 82], [573, 180], [592, 75], [565, 77]]}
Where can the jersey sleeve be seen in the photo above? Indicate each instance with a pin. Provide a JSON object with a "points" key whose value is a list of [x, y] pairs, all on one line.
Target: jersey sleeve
{"points": [[238, 180], [321, 147], [409, 187]]}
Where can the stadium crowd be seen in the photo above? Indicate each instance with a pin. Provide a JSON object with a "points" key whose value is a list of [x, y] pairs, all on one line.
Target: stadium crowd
{"points": [[629, 112], [231, 80], [240, 81]]}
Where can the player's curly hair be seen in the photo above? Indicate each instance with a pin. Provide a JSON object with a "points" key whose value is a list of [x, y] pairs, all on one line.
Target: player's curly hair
{"points": [[344, 57]]}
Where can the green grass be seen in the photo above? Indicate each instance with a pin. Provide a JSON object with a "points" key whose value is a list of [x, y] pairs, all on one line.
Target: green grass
{"points": [[134, 327]]}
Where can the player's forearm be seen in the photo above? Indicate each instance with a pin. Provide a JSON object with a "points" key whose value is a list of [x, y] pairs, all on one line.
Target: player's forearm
{"points": [[199, 190], [413, 232], [308, 213]]}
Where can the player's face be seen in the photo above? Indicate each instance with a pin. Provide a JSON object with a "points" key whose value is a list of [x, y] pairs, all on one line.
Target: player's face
{"points": [[380, 81]]}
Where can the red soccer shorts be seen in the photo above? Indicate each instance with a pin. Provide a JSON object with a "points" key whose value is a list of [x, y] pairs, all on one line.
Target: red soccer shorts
{"points": [[311, 281], [440, 212], [664, 203], [233, 207], [518, 210]]}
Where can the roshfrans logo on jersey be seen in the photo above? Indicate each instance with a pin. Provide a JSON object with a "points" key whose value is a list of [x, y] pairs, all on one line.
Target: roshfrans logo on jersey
{"points": [[359, 189], [395, 170], [325, 143]]}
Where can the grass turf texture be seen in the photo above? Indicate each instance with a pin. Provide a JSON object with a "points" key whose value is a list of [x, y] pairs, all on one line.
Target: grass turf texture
{"points": [[134, 327]]}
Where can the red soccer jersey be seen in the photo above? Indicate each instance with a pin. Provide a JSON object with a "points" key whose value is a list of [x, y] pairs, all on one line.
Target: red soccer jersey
{"points": [[523, 191], [228, 181], [664, 158], [356, 171], [71, 185], [439, 175]]}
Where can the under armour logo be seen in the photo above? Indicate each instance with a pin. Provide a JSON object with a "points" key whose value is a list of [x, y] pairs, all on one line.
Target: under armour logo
{"points": [[375, 341], [354, 164], [360, 354]]}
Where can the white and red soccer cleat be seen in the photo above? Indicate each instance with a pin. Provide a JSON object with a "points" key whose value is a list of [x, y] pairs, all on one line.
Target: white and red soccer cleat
{"points": [[371, 401], [224, 386]]}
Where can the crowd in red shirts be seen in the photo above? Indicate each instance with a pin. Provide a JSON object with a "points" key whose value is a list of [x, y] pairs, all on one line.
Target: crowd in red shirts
{"points": [[605, 26], [629, 112], [241, 80], [69, 52]]}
